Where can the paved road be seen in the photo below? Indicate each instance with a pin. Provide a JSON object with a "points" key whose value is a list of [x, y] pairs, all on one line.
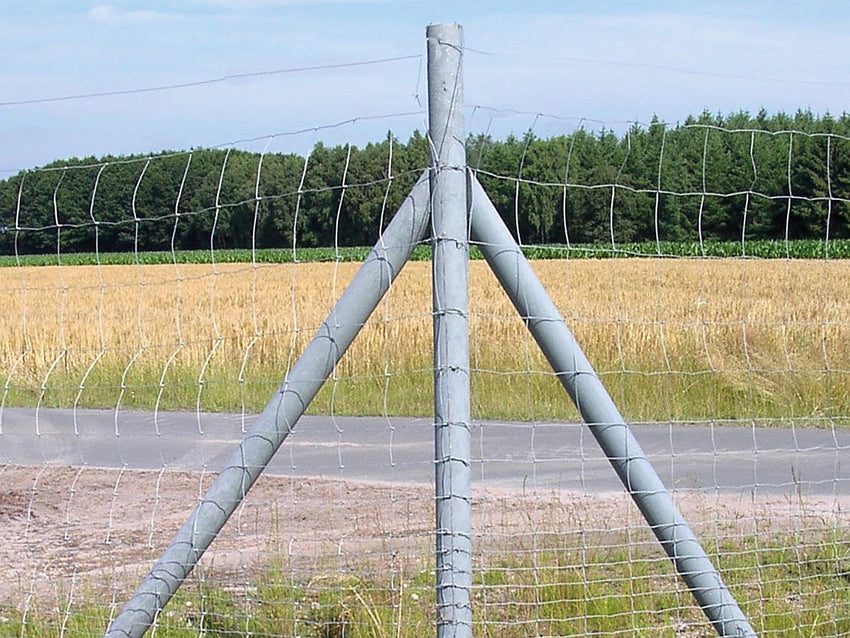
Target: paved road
{"points": [[548, 456]]}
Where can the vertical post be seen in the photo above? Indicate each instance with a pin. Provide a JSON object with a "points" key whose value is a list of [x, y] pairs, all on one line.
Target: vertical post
{"points": [[449, 215]]}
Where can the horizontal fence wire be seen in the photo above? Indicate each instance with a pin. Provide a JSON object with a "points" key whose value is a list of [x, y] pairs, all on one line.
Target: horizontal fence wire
{"points": [[127, 385]]}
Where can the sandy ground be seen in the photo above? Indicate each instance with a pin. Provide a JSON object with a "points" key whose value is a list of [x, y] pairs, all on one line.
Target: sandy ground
{"points": [[75, 532]]}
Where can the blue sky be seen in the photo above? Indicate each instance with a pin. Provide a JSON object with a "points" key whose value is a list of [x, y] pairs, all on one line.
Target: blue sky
{"points": [[574, 63]]}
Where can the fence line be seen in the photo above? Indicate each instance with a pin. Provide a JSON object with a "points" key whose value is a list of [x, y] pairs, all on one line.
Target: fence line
{"points": [[730, 363]]}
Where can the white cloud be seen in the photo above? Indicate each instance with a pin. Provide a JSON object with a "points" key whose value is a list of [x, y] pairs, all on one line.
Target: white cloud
{"points": [[271, 4], [102, 12], [107, 13]]}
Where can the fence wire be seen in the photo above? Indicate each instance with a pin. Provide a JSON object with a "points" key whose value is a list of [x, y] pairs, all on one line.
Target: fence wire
{"points": [[153, 304]]}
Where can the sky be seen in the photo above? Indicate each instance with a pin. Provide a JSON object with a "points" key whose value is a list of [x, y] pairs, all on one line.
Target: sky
{"points": [[88, 79]]}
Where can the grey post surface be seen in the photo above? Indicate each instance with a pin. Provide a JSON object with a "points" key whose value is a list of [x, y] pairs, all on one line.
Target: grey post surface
{"points": [[451, 332], [274, 424], [602, 417]]}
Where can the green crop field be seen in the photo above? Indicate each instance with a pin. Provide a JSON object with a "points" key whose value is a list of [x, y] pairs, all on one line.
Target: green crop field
{"points": [[764, 249]]}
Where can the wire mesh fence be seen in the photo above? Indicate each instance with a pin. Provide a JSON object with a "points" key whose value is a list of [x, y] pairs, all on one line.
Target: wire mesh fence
{"points": [[153, 304]]}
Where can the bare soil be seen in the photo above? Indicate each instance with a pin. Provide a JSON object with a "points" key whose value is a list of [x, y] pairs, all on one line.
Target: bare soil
{"points": [[73, 532]]}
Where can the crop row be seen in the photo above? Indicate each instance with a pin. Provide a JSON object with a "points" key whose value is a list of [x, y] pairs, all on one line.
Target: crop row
{"points": [[757, 249]]}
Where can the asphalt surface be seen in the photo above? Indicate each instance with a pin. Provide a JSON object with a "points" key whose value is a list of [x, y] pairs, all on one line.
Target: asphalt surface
{"points": [[715, 458]]}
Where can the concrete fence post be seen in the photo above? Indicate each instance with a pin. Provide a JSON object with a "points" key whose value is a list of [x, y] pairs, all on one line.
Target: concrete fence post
{"points": [[449, 216]]}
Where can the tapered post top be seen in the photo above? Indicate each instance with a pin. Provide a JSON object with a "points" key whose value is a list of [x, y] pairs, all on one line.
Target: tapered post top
{"points": [[445, 92]]}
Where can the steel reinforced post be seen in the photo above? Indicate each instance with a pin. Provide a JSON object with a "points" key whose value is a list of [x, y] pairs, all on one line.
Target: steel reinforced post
{"points": [[276, 422], [602, 417], [449, 214]]}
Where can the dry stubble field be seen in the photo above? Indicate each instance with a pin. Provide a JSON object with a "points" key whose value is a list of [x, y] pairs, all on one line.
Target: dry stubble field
{"points": [[673, 339]]}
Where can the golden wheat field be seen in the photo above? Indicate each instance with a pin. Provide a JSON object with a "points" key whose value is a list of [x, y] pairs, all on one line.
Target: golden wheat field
{"points": [[671, 338]]}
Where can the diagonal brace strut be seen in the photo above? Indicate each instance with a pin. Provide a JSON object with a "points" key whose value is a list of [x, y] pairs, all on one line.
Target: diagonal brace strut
{"points": [[601, 415], [408, 228]]}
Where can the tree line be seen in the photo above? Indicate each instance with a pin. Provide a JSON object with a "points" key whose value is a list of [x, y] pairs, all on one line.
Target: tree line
{"points": [[712, 177]]}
